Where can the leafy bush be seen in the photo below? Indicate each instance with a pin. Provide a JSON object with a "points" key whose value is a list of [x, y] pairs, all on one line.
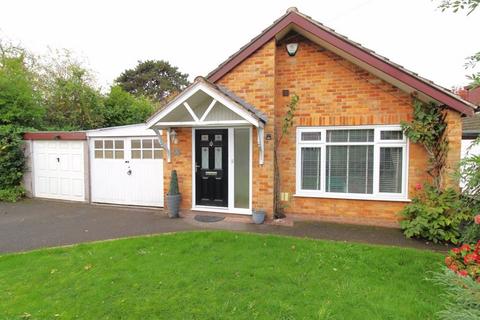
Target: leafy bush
{"points": [[462, 295], [471, 232], [435, 215], [12, 194], [469, 175], [12, 163]]}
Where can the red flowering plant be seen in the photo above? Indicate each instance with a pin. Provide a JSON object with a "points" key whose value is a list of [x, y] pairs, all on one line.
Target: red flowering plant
{"points": [[465, 261]]}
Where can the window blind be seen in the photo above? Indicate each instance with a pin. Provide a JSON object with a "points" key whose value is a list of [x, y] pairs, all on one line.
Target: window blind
{"points": [[311, 168], [391, 169], [349, 169]]}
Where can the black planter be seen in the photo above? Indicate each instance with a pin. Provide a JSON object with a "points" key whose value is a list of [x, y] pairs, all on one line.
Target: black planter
{"points": [[173, 205]]}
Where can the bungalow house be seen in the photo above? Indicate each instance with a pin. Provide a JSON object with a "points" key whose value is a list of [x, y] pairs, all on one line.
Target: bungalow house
{"points": [[345, 158]]}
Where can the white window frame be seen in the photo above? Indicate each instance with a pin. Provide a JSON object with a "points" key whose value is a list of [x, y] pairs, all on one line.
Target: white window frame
{"points": [[113, 149], [377, 144]]}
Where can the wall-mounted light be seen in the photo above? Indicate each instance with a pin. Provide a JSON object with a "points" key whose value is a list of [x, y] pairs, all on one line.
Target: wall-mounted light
{"points": [[292, 49], [173, 136]]}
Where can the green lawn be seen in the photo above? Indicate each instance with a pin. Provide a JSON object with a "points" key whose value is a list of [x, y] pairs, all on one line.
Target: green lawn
{"points": [[212, 275]]}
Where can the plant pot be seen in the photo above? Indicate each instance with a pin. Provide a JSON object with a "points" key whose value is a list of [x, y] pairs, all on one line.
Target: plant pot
{"points": [[173, 205], [258, 216]]}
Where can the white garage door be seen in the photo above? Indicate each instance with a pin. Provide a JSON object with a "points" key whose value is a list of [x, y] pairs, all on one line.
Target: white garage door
{"points": [[58, 169], [127, 171]]}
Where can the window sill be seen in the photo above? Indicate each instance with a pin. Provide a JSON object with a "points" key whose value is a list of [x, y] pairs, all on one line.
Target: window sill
{"points": [[351, 197]]}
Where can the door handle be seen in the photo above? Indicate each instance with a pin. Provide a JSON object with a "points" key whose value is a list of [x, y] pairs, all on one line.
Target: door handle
{"points": [[129, 172], [58, 159]]}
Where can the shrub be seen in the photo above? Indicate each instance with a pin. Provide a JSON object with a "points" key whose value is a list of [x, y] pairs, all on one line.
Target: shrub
{"points": [[469, 175], [12, 194], [471, 232], [173, 190], [12, 163], [462, 295], [435, 215]]}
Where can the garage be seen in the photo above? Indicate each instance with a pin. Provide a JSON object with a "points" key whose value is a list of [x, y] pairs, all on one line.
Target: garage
{"points": [[57, 165], [126, 166], [117, 165]]}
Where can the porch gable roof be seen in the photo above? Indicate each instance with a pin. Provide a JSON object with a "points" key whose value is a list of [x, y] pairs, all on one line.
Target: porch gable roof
{"points": [[218, 106]]}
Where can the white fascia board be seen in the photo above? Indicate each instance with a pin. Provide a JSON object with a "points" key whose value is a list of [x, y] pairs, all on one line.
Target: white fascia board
{"points": [[173, 104]]}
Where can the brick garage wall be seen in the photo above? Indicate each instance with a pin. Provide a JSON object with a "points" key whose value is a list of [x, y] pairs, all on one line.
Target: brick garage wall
{"points": [[254, 81], [334, 91], [182, 162]]}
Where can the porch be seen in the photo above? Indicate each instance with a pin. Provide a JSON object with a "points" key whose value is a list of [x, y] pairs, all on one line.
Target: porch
{"points": [[215, 142]]}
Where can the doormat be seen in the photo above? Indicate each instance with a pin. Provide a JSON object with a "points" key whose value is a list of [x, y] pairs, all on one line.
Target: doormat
{"points": [[203, 218]]}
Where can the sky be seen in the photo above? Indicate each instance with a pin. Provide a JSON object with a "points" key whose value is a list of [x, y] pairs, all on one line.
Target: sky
{"points": [[196, 36]]}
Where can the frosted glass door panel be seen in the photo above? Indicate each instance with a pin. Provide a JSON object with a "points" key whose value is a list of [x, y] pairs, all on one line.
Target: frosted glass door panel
{"points": [[242, 168]]}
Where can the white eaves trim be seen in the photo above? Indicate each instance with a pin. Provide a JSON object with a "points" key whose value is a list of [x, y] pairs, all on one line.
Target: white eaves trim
{"points": [[132, 130]]}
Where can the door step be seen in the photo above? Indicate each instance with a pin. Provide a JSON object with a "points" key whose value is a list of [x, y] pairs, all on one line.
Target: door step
{"points": [[207, 218]]}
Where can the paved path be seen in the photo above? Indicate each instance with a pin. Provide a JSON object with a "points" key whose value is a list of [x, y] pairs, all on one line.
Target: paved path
{"points": [[34, 223]]}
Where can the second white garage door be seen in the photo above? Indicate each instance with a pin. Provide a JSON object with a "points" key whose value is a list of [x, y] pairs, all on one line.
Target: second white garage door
{"points": [[59, 170], [127, 171]]}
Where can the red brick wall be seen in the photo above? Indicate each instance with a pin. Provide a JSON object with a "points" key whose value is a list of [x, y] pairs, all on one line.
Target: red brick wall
{"points": [[332, 91], [254, 81], [182, 162], [454, 134]]}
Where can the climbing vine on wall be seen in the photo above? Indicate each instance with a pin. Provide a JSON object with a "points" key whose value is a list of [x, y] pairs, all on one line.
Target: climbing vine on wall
{"points": [[428, 129], [287, 123]]}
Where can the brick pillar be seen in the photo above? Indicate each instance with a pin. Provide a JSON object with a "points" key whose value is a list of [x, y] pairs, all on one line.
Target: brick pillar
{"points": [[454, 134]]}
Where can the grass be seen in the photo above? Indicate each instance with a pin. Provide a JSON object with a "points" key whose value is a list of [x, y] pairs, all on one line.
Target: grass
{"points": [[212, 275]]}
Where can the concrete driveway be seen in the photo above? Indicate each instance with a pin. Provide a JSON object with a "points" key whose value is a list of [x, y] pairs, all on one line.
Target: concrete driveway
{"points": [[34, 223]]}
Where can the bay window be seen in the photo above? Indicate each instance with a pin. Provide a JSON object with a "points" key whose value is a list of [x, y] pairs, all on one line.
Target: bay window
{"points": [[367, 162]]}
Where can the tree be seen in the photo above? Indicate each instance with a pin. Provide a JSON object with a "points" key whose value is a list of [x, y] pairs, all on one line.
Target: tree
{"points": [[71, 97], [19, 101], [122, 108], [287, 123], [155, 79], [456, 5], [20, 108], [470, 5]]}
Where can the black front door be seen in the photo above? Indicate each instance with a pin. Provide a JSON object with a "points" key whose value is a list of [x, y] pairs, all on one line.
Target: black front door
{"points": [[211, 167]]}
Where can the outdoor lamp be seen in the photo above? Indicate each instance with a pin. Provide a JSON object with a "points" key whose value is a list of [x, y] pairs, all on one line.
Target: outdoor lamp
{"points": [[173, 136], [292, 49]]}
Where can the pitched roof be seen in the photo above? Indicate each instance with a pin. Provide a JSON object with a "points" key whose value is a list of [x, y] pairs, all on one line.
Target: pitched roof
{"points": [[293, 19], [219, 90]]}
